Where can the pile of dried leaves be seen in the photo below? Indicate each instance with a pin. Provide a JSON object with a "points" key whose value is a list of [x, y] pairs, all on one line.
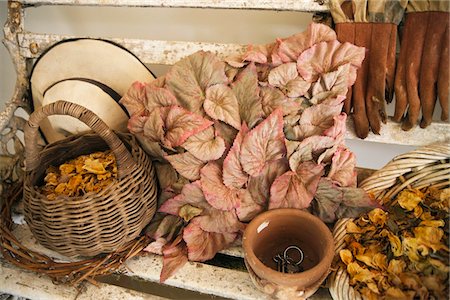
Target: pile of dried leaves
{"points": [[403, 252], [232, 138], [84, 174]]}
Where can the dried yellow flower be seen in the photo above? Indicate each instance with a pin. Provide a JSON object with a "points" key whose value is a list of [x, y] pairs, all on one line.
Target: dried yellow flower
{"points": [[346, 256], [409, 199], [94, 166], [81, 175], [378, 217], [401, 253], [66, 168]]}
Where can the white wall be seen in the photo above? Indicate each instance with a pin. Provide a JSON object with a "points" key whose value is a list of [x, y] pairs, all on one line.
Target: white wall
{"points": [[176, 24]]}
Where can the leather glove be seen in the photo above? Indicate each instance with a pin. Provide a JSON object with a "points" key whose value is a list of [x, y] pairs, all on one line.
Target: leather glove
{"points": [[423, 68], [371, 24]]}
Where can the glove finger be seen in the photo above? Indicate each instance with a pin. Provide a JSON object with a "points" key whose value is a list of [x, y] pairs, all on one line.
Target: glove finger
{"points": [[443, 79], [362, 39], [346, 33], [419, 23], [376, 110], [348, 102], [401, 96], [390, 65], [430, 65]]}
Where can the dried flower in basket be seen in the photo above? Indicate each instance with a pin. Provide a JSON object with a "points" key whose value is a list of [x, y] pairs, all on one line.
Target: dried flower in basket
{"points": [[81, 175], [401, 252]]}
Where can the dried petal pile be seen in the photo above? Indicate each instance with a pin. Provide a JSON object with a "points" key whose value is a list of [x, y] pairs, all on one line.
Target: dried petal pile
{"points": [[84, 174], [255, 131], [403, 252]]}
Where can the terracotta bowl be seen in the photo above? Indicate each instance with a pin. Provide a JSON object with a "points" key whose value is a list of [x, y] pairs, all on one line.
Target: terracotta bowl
{"points": [[270, 233]]}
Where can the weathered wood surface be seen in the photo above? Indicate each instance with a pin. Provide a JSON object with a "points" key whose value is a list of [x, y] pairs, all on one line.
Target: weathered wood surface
{"points": [[32, 45], [291, 5], [30, 285]]}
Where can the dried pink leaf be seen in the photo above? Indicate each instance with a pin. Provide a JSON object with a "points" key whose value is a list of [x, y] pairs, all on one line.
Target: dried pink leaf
{"points": [[246, 89], [209, 218], [263, 74], [337, 81], [158, 97], [286, 78], [273, 98], [342, 170], [263, 144], [154, 126], [221, 104], [296, 87], [301, 154], [216, 193], [205, 145], [291, 147], [134, 98], [296, 189], [309, 149], [203, 245], [153, 149], [281, 75], [220, 221], [156, 247], [326, 57], [327, 200], [317, 118], [257, 54], [289, 49], [158, 82], [236, 61], [259, 186], [136, 122], [225, 131], [174, 258], [247, 208], [332, 202], [172, 206], [186, 164], [180, 124], [166, 174], [231, 73], [191, 193], [167, 228], [288, 191], [233, 174], [189, 78], [337, 131]]}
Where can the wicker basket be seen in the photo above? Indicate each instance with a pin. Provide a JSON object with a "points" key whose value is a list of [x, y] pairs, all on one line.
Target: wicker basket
{"points": [[95, 222], [424, 167]]}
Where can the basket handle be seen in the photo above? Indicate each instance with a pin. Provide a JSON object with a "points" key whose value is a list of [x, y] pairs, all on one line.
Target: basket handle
{"points": [[32, 151]]}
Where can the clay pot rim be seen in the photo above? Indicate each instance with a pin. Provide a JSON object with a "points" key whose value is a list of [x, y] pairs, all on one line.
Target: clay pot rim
{"points": [[282, 278]]}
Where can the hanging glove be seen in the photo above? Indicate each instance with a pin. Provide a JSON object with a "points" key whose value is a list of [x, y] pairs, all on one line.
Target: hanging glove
{"points": [[371, 24], [423, 68]]}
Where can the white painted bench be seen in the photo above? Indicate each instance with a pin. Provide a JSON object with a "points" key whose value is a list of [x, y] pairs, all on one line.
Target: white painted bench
{"points": [[139, 273]]}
